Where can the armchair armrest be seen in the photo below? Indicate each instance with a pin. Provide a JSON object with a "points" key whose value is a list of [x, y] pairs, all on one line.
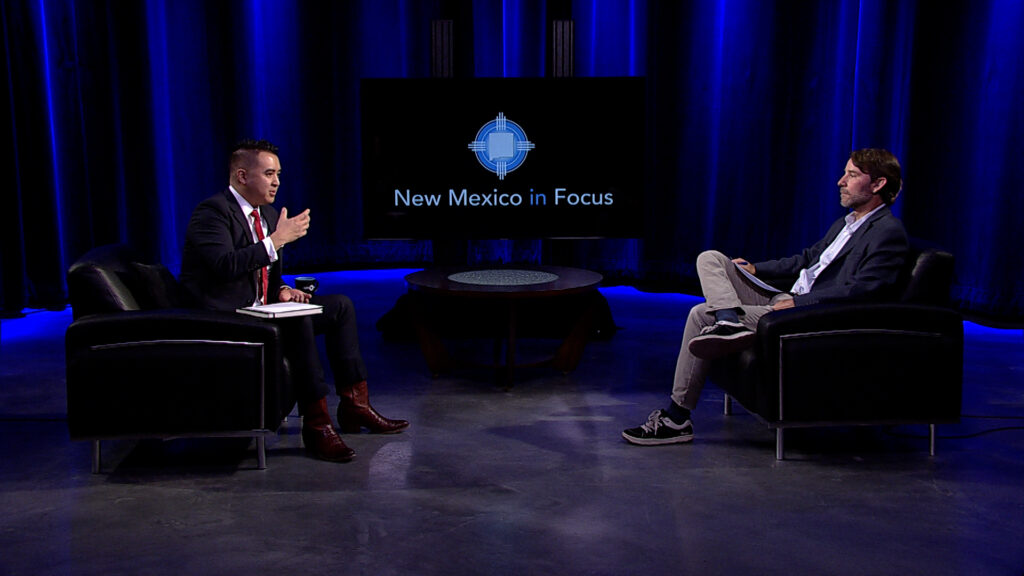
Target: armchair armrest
{"points": [[169, 324], [173, 372], [855, 316], [860, 362]]}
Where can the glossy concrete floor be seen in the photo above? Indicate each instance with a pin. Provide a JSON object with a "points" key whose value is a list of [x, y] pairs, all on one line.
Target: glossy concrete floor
{"points": [[535, 480]]}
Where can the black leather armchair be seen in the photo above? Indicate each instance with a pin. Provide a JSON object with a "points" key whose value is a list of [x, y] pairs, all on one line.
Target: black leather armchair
{"points": [[139, 365], [856, 363]]}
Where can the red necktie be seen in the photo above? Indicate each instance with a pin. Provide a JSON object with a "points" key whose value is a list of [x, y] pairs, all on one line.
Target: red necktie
{"points": [[263, 271]]}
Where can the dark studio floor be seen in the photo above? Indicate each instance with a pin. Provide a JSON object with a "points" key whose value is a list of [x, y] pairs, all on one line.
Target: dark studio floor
{"points": [[535, 480]]}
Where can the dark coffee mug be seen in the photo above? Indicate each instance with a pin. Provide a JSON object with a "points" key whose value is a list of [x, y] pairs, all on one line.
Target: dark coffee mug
{"points": [[307, 284]]}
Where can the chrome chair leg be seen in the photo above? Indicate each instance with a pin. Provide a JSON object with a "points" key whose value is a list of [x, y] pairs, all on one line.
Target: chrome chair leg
{"points": [[261, 452]]}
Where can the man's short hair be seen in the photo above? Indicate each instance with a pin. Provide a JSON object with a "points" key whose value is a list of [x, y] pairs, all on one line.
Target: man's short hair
{"points": [[879, 163], [244, 154]]}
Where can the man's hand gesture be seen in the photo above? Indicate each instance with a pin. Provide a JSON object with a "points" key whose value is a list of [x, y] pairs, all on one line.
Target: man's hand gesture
{"points": [[290, 229]]}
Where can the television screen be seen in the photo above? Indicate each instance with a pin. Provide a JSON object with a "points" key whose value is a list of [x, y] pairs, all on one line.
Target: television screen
{"points": [[503, 157]]}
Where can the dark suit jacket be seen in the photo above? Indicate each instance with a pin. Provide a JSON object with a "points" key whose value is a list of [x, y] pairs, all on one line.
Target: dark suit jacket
{"points": [[868, 267], [220, 263]]}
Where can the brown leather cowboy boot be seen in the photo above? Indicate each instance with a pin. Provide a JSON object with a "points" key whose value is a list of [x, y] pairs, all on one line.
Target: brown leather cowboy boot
{"points": [[319, 436], [355, 412]]}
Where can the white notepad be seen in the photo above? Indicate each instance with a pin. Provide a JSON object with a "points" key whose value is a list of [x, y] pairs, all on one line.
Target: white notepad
{"points": [[281, 310]]}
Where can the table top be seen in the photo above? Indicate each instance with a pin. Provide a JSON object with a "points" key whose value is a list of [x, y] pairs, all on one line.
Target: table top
{"points": [[505, 281]]}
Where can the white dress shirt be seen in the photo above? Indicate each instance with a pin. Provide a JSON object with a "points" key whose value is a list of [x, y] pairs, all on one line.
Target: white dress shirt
{"points": [[808, 275]]}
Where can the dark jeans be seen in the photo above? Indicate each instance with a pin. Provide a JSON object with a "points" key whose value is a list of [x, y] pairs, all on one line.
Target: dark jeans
{"points": [[338, 325]]}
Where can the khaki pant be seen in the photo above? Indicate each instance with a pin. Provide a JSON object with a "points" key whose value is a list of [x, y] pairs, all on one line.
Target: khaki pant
{"points": [[724, 287]]}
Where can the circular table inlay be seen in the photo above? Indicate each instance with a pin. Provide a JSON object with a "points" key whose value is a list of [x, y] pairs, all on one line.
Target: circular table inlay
{"points": [[503, 277]]}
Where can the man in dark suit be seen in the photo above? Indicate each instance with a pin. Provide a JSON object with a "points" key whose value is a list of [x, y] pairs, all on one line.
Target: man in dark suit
{"points": [[861, 257], [232, 259]]}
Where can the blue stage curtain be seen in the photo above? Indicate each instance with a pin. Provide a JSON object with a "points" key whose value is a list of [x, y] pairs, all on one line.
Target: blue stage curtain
{"points": [[119, 116]]}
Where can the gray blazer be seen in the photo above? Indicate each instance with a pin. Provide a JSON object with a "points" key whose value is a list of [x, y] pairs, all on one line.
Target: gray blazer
{"points": [[867, 268]]}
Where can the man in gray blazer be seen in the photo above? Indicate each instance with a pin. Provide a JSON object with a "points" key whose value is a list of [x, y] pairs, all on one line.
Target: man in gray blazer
{"points": [[861, 257], [232, 259]]}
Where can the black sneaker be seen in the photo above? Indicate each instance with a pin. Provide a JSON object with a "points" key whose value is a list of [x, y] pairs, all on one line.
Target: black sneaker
{"points": [[721, 339], [659, 429]]}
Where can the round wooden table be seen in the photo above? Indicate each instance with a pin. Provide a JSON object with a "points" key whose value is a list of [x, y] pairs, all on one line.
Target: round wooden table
{"points": [[503, 292]]}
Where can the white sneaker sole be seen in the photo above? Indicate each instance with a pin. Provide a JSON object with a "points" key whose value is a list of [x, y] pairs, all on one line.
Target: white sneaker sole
{"points": [[657, 441]]}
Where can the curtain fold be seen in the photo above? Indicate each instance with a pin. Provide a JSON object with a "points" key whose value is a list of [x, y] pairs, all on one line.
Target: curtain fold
{"points": [[119, 116]]}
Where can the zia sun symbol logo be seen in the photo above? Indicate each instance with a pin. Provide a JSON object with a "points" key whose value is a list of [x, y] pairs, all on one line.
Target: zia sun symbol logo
{"points": [[501, 146]]}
